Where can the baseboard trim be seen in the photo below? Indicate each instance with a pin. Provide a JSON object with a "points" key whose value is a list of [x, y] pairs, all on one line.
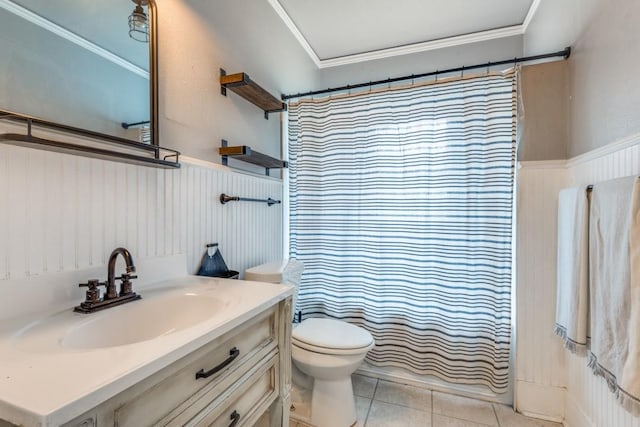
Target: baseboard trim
{"points": [[540, 401], [433, 383]]}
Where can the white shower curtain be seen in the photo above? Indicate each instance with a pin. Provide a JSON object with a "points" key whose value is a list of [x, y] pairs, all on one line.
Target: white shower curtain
{"points": [[401, 210]]}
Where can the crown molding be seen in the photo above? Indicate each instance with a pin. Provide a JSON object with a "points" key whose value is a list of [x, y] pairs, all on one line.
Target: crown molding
{"points": [[422, 46], [530, 14], [56, 29], [295, 31], [425, 46]]}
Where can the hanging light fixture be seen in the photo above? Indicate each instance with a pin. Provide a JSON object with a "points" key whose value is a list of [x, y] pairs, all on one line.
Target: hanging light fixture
{"points": [[139, 22]]}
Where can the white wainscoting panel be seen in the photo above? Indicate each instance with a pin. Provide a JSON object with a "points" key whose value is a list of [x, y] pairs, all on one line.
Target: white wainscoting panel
{"points": [[589, 401], [540, 370], [60, 212]]}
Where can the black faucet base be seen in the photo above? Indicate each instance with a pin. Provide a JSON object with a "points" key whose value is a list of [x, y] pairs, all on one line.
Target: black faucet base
{"points": [[89, 307]]}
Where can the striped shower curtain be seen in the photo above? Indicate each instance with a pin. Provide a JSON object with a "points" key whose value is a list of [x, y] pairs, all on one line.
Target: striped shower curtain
{"points": [[401, 210]]}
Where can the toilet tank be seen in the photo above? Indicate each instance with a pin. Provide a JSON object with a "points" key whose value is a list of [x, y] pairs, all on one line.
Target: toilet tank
{"points": [[281, 271], [270, 272]]}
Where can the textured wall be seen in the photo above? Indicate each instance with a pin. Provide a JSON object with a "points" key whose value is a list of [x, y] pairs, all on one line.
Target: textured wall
{"points": [[557, 24], [198, 38], [605, 94]]}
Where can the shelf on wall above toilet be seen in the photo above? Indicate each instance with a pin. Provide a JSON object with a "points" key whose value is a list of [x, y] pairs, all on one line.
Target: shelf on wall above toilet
{"points": [[246, 154], [241, 84]]}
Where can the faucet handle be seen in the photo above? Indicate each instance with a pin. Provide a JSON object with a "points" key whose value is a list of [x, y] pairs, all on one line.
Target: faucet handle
{"points": [[126, 287], [126, 276], [93, 293]]}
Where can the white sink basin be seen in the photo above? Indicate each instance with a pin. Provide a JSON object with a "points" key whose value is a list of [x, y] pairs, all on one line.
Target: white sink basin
{"points": [[157, 314], [142, 320]]}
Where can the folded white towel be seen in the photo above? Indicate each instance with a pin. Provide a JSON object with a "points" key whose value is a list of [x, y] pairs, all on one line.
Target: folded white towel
{"points": [[614, 245], [572, 297]]}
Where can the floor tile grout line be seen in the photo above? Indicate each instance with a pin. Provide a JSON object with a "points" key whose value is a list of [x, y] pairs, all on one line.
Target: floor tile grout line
{"points": [[431, 396], [464, 419], [453, 417], [495, 413], [432, 408], [366, 417], [375, 388], [402, 405]]}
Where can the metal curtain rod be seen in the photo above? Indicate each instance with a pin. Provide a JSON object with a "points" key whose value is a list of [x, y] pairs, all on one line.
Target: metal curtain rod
{"points": [[566, 52], [128, 125], [224, 199]]}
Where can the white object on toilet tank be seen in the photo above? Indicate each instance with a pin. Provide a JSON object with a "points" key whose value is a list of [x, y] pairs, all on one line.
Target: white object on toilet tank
{"points": [[270, 272], [288, 272]]}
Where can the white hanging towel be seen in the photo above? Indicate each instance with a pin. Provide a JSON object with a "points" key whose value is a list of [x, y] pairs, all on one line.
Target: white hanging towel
{"points": [[572, 297], [614, 246]]}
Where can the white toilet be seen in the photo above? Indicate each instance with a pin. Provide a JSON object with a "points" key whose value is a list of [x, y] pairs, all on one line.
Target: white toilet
{"points": [[325, 353]]}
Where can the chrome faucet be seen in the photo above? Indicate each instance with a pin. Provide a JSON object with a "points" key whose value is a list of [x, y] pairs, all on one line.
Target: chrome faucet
{"points": [[111, 297]]}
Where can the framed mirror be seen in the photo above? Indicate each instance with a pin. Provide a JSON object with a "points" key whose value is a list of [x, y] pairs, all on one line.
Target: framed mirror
{"points": [[90, 64]]}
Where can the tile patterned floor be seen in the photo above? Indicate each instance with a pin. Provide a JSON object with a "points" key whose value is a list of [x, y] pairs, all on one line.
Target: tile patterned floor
{"points": [[382, 403]]}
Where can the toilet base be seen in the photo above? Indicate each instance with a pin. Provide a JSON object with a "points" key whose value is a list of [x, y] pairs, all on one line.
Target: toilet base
{"points": [[336, 397]]}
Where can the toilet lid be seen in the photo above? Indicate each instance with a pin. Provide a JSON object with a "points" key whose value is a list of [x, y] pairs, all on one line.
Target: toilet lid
{"points": [[331, 334]]}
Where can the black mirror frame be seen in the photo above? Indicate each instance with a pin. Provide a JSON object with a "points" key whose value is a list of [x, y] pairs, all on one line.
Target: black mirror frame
{"points": [[153, 73]]}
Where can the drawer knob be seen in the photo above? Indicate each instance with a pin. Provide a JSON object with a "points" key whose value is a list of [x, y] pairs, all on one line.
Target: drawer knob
{"points": [[235, 417], [233, 353]]}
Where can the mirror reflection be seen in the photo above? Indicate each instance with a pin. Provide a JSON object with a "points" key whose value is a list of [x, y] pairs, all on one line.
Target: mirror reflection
{"points": [[83, 63]]}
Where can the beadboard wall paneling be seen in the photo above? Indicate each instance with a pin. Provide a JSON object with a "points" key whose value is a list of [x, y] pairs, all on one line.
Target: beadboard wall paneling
{"points": [[539, 371], [62, 212], [589, 401]]}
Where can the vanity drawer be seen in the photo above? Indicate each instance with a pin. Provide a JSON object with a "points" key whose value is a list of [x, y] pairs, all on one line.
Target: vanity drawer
{"points": [[180, 394], [247, 403]]}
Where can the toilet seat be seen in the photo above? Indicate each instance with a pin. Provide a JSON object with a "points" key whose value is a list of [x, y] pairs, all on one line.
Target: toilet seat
{"points": [[329, 336]]}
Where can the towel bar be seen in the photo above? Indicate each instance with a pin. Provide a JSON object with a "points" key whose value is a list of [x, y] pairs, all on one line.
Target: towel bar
{"points": [[225, 198]]}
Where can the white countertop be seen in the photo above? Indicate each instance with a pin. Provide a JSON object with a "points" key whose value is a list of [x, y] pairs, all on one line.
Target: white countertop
{"points": [[44, 384]]}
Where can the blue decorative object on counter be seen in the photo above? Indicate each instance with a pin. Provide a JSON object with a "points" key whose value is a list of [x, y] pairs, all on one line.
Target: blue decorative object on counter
{"points": [[213, 264]]}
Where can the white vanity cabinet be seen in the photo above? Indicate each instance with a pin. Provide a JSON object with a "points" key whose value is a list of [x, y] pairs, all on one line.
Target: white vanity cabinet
{"points": [[251, 386]]}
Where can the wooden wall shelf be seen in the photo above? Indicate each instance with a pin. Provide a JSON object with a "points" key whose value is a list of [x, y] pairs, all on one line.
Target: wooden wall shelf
{"points": [[241, 84], [246, 154]]}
